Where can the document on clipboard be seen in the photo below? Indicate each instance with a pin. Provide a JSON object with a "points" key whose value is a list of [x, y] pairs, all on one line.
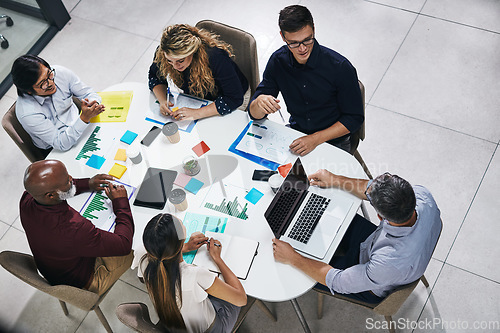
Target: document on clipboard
{"points": [[180, 100], [266, 143]]}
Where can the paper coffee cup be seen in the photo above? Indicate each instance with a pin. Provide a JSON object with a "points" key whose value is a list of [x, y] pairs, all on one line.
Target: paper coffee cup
{"points": [[171, 131], [275, 182], [134, 155], [178, 198]]}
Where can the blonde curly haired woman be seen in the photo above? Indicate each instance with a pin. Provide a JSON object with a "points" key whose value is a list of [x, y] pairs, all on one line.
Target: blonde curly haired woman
{"points": [[200, 64]]}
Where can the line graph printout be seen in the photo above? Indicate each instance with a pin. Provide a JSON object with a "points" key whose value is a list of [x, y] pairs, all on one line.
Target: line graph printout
{"points": [[99, 142], [269, 141], [99, 210], [202, 223]]}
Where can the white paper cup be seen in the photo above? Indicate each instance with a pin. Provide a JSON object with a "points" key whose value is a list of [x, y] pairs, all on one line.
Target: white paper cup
{"points": [[275, 182], [134, 155]]}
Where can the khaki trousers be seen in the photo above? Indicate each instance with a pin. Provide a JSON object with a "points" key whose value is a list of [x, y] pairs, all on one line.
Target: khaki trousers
{"points": [[107, 271]]}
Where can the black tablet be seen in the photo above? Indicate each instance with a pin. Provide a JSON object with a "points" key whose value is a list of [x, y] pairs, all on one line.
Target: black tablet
{"points": [[155, 188]]}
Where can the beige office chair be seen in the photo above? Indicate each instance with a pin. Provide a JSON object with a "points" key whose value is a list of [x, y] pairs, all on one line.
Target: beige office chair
{"points": [[21, 137], [136, 316], [388, 307], [360, 135], [244, 49], [23, 267]]}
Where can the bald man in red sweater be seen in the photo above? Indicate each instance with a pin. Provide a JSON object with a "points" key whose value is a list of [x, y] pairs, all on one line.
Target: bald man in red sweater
{"points": [[68, 248]]}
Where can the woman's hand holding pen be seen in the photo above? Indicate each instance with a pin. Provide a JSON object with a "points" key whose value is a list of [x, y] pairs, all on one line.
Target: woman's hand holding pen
{"points": [[214, 248], [165, 107]]}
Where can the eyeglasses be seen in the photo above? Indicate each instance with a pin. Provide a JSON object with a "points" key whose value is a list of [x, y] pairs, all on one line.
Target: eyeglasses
{"points": [[44, 84], [305, 42]]}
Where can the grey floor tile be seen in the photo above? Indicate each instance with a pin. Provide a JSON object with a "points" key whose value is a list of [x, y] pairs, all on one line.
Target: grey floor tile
{"points": [[359, 30], [422, 154], [260, 18], [18, 293], [70, 5], [459, 301], [120, 293], [446, 81], [142, 18], [130, 277], [477, 242], [139, 73], [411, 5], [17, 224], [3, 228], [84, 45], [21, 36], [11, 93], [12, 172], [483, 14]]}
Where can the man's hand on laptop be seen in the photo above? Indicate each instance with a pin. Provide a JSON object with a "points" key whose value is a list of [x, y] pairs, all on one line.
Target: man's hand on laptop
{"points": [[284, 252], [324, 178]]}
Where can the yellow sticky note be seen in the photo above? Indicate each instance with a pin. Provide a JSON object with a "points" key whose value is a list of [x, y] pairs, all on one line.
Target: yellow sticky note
{"points": [[117, 170], [121, 155], [175, 109]]}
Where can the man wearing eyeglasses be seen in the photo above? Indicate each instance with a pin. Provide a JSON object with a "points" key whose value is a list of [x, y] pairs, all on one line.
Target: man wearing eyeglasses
{"points": [[320, 87], [45, 105], [372, 261]]}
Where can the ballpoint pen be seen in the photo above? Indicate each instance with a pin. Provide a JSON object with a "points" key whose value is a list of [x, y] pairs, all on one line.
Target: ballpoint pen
{"points": [[279, 110]]}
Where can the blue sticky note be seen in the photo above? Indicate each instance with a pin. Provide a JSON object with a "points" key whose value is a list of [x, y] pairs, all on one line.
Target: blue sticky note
{"points": [[128, 137], [193, 185], [254, 195], [95, 161]]}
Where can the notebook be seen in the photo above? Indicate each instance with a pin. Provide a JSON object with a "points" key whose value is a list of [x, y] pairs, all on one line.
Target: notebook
{"points": [[237, 252], [308, 221]]}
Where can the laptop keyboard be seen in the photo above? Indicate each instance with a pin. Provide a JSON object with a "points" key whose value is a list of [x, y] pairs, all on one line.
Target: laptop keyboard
{"points": [[281, 208], [309, 218]]}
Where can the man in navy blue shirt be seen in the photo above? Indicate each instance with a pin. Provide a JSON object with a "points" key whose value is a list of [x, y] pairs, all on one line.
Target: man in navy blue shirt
{"points": [[320, 87]]}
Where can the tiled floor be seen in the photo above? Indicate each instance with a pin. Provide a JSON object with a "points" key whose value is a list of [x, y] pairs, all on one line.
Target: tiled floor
{"points": [[430, 68]]}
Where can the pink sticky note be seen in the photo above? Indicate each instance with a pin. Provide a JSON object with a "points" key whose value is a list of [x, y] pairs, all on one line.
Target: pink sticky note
{"points": [[201, 148], [182, 179]]}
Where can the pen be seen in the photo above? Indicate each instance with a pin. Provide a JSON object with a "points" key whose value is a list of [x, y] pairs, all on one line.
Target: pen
{"points": [[218, 245], [279, 110], [168, 96], [104, 185]]}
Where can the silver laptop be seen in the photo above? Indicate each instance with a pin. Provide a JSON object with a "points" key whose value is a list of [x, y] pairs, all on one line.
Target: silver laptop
{"points": [[303, 217]]}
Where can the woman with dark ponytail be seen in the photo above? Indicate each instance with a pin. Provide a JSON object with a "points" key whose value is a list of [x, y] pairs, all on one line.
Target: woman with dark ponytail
{"points": [[187, 297]]}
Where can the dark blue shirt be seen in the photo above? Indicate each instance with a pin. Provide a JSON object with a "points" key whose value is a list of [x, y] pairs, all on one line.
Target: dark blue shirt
{"points": [[317, 94], [230, 81]]}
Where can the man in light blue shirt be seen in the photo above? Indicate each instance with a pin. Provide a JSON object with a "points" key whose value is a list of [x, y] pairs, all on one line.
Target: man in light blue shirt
{"points": [[377, 260], [45, 105]]}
